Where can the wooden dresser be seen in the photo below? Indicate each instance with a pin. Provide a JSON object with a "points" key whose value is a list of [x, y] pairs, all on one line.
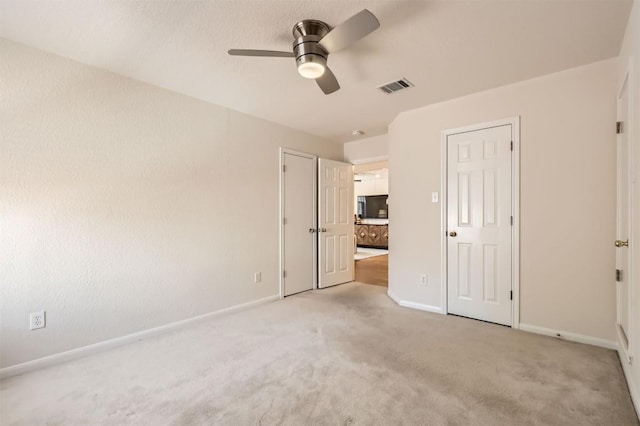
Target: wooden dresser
{"points": [[372, 235]]}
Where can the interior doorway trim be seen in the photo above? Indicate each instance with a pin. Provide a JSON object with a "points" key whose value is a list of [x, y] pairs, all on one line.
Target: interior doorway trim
{"points": [[284, 151], [515, 208], [368, 160]]}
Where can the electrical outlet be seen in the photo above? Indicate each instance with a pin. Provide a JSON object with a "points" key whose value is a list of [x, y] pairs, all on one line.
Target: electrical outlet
{"points": [[423, 279], [257, 277], [37, 320]]}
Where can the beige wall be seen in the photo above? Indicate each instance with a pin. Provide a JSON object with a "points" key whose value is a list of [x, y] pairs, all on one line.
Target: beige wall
{"points": [[630, 52], [366, 150], [567, 196], [125, 206]]}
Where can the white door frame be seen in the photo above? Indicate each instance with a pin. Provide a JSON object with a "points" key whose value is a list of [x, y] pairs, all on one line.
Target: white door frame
{"points": [[628, 128], [515, 208], [284, 151]]}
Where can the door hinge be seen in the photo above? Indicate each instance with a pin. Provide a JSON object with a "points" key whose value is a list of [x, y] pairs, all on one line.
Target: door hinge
{"points": [[511, 220], [511, 295], [511, 145], [618, 275], [284, 168], [619, 127], [284, 220], [284, 274]]}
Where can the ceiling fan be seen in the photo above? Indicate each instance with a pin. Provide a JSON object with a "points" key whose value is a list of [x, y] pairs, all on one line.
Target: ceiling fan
{"points": [[315, 40]]}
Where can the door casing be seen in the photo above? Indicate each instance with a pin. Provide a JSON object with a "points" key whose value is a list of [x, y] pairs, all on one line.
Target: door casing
{"points": [[515, 199]]}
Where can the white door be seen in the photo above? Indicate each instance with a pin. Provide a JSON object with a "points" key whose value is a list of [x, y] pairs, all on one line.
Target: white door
{"points": [[335, 223], [479, 215], [623, 271], [298, 222]]}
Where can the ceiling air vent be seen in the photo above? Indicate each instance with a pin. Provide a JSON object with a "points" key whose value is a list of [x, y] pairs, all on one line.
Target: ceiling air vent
{"points": [[395, 86]]}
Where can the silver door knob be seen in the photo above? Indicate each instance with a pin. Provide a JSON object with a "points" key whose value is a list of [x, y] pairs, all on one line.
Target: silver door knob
{"points": [[453, 233], [312, 230], [620, 243]]}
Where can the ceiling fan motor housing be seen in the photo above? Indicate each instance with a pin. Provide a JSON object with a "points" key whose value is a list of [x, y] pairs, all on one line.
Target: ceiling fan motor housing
{"points": [[307, 34]]}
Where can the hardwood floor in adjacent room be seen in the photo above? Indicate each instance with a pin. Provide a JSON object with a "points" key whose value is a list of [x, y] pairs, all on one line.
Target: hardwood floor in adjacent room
{"points": [[373, 270]]}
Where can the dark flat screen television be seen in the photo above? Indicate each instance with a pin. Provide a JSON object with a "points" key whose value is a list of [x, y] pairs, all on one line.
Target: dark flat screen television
{"points": [[373, 206]]}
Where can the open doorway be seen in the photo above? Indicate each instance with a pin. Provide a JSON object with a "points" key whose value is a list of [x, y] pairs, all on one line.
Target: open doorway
{"points": [[316, 225], [371, 192]]}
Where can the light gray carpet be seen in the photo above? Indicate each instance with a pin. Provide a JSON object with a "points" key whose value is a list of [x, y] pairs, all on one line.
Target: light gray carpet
{"points": [[341, 356]]}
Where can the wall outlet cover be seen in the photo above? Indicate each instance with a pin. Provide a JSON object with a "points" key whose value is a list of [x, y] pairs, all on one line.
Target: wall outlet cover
{"points": [[37, 320]]}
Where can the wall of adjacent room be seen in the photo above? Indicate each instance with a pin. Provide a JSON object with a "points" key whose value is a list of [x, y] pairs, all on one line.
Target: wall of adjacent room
{"points": [[371, 181], [367, 150], [125, 206]]}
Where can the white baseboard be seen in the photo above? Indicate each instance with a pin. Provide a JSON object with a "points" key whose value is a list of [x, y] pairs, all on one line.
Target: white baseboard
{"points": [[48, 361], [393, 297], [414, 305], [565, 335], [633, 390], [572, 337]]}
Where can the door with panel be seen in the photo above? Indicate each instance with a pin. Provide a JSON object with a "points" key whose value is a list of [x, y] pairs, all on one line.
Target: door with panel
{"points": [[298, 222], [623, 231], [479, 224], [335, 223]]}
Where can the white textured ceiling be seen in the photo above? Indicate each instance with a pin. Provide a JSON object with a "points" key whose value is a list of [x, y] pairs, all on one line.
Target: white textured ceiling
{"points": [[446, 48]]}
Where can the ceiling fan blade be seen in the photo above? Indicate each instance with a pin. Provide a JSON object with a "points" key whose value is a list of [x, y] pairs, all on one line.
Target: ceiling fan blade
{"points": [[254, 52], [350, 31], [328, 82]]}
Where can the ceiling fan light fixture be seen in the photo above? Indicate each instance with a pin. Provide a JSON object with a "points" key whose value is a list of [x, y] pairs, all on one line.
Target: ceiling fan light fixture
{"points": [[311, 70], [311, 66]]}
